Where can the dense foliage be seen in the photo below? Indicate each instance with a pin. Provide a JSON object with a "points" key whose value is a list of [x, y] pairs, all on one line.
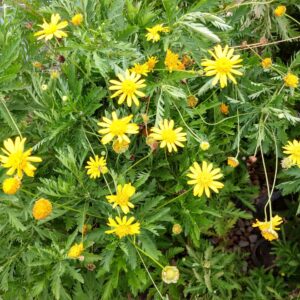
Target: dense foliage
{"points": [[162, 151]]}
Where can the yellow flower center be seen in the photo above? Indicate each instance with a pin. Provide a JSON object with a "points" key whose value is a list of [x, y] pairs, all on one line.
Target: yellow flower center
{"points": [[51, 29], [205, 179], [122, 199], [129, 87], [118, 127], [18, 160], [123, 230], [169, 135], [223, 65]]}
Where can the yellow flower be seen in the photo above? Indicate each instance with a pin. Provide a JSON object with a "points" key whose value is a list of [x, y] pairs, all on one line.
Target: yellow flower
{"points": [[291, 80], [293, 150], [172, 61], [37, 65], [120, 147], [176, 229], [52, 29], [11, 185], [170, 274], [279, 10], [76, 250], [128, 88], [232, 162], [168, 136], [140, 69], [153, 32], [44, 87], [266, 63], [42, 208], [222, 66], [204, 145], [204, 179], [268, 228], [124, 193], [117, 128], [96, 166], [192, 101], [151, 63], [123, 227], [77, 19], [224, 109], [17, 160], [54, 74]]}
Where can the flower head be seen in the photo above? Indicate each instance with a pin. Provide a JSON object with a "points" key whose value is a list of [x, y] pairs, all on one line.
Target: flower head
{"points": [[287, 163], [52, 29], [192, 101], [291, 80], [96, 166], [154, 32], [123, 227], [120, 147], [18, 160], [37, 65], [293, 150], [172, 61], [266, 63], [42, 208], [176, 229], [140, 69], [268, 228], [151, 63], [44, 87], [170, 274], [128, 88], [223, 66], [279, 10], [204, 178], [117, 128], [76, 250], [168, 136], [54, 74], [204, 145], [224, 109], [232, 162], [122, 198], [11, 185], [77, 19]]}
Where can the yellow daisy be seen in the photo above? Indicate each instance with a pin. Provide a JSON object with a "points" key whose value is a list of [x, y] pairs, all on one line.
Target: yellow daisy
{"points": [[123, 227], [170, 274], [77, 19], [128, 88], [76, 250], [151, 63], [168, 136], [291, 80], [153, 32], [293, 150], [117, 128], [266, 63], [122, 197], [11, 185], [96, 166], [172, 61], [280, 11], [52, 29], [268, 228], [204, 178], [223, 66], [17, 160], [42, 208], [140, 69]]}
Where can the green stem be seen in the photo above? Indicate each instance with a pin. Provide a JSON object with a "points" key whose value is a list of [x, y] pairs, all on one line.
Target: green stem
{"points": [[173, 199], [138, 162]]}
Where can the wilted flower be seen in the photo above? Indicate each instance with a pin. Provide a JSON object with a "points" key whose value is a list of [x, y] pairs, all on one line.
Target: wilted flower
{"points": [[266, 63], [172, 61], [176, 229], [77, 19], [232, 162], [11, 185], [120, 147], [152, 143], [224, 109], [37, 64], [151, 62], [42, 208], [287, 163], [44, 87], [170, 274], [192, 101], [268, 228], [76, 250], [204, 145], [279, 10], [291, 80]]}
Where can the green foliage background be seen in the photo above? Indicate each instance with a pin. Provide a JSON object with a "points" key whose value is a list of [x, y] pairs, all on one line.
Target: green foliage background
{"points": [[263, 115]]}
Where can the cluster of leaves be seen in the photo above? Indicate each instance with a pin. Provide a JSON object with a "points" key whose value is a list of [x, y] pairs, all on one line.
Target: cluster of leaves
{"points": [[262, 115]]}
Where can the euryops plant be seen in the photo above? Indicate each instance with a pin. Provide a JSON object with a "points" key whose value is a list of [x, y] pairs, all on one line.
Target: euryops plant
{"points": [[150, 149]]}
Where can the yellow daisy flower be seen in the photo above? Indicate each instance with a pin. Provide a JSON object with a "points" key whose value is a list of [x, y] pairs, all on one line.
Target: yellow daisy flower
{"points": [[223, 66], [266, 63], [52, 29], [117, 128], [76, 250], [17, 160], [168, 136], [77, 19], [153, 32], [170, 274], [204, 178], [293, 150], [291, 80], [204, 145], [42, 208], [122, 197], [11, 185], [140, 69], [128, 88], [268, 228], [172, 61], [96, 166], [151, 63], [123, 227], [280, 11]]}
